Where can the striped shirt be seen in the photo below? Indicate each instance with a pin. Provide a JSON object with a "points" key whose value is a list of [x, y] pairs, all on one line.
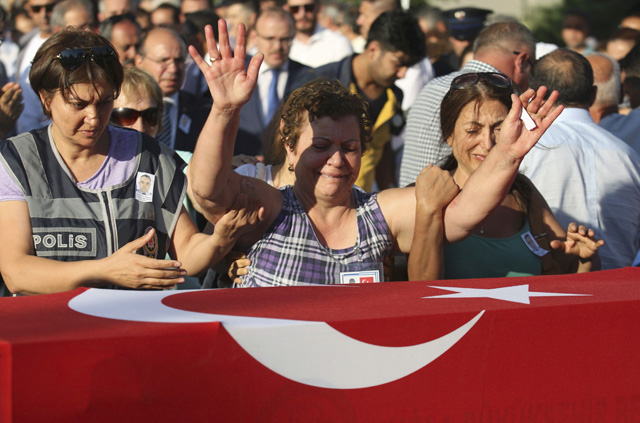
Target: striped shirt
{"points": [[423, 143], [289, 253]]}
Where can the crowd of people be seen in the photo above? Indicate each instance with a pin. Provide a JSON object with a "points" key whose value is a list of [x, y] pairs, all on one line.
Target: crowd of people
{"points": [[162, 144]]}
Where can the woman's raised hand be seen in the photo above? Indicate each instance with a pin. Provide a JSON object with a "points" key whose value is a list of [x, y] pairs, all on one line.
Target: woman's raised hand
{"points": [[519, 140], [130, 270], [230, 84]]}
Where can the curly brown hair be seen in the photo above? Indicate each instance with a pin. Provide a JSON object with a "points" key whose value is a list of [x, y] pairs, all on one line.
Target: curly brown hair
{"points": [[320, 98]]}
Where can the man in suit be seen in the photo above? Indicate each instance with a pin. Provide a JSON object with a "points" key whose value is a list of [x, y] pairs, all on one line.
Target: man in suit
{"points": [[162, 54], [273, 33]]}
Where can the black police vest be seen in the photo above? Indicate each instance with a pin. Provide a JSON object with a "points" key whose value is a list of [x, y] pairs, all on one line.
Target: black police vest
{"points": [[71, 223]]}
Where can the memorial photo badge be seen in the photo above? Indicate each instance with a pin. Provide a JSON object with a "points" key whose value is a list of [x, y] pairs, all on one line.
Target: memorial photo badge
{"points": [[144, 187]]}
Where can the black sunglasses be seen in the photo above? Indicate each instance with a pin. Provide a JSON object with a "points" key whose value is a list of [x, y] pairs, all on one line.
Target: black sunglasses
{"points": [[124, 116], [467, 80], [72, 58], [308, 8], [47, 7]]}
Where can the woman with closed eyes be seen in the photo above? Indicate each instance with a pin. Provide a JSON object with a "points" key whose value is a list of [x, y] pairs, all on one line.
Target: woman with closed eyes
{"points": [[514, 239], [323, 229]]}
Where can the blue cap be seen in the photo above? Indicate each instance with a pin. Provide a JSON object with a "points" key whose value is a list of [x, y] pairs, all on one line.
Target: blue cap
{"points": [[466, 22]]}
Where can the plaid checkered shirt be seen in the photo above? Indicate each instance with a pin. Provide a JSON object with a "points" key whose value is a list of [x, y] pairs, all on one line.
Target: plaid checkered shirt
{"points": [[423, 143], [289, 253]]}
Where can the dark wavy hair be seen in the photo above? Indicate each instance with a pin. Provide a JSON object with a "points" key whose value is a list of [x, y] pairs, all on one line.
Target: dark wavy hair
{"points": [[320, 98], [453, 103], [456, 99], [398, 30], [47, 75]]}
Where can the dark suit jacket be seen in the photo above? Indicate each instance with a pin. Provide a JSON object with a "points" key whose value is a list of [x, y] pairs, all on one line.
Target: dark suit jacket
{"points": [[192, 114], [252, 124]]}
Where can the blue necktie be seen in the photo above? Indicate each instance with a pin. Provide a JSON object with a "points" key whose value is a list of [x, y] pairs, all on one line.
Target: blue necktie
{"points": [[165, 136], [272, 100]]}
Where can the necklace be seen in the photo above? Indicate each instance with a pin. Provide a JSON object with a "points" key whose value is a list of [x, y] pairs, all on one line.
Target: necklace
{"points": [[338, 257]]}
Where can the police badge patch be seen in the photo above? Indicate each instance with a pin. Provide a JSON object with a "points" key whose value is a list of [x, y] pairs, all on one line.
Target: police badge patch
{"points": [[150, 249]]}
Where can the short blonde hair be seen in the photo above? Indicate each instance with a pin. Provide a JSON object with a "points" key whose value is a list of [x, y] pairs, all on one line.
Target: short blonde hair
{"points": [[138, 83]]}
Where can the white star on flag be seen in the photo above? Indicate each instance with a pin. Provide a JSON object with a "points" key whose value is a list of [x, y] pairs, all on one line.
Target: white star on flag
{"points": [[516, 294]]}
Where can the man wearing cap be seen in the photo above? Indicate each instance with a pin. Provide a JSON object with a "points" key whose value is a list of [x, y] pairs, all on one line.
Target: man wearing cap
{"points": [[505, 47], [464, 25]]}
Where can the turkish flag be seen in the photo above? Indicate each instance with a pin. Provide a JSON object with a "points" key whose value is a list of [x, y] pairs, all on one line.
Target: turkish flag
{"points": [[549, 348]]}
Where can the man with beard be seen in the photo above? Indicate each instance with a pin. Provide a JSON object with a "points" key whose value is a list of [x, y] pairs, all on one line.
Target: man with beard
{"points": [[314, 45]]}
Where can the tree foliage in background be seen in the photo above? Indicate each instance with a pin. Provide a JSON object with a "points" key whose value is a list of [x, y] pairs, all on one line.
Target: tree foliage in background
{"points": [[546, 22]]}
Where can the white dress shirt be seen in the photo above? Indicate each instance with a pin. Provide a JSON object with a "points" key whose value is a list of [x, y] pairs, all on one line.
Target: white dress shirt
{"points": [[591, 177], [625, 127], [264, 81], [324, 47]]}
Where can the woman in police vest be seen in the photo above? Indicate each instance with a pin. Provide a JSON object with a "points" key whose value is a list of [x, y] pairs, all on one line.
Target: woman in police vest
{"points": [[87, 204]]}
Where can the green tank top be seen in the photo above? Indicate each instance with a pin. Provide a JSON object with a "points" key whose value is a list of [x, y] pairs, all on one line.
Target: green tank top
{"points": [[478, 257]]}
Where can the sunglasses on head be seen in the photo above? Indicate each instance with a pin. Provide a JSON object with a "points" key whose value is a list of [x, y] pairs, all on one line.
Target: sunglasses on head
{"points": [[308, 8], [47, 7], [469, 79], [73, 58], [124, 116]]}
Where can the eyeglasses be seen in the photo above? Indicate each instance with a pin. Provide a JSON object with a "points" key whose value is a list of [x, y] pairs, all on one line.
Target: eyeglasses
{"points": [[72, 58], [124, 116], [47, 7], [308, 8], [467, 80], [272, 40]]}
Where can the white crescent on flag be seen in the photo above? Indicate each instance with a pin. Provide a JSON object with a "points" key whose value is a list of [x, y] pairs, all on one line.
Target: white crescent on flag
{"points": [[309, 352]]}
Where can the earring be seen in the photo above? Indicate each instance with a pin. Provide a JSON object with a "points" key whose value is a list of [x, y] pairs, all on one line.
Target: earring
{"points": [[290, 167]]}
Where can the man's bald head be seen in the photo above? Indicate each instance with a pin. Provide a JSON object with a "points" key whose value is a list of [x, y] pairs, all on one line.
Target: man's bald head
{"points": [[567, 72], [162, 54], [606, 76]]}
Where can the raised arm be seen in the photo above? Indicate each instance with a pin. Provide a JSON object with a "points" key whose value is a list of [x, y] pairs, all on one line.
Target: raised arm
{"points": [[489, 184], [213, 184]]}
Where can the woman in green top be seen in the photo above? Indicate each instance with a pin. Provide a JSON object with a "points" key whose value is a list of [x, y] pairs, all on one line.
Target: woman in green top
{"points": [[514, 239]]}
